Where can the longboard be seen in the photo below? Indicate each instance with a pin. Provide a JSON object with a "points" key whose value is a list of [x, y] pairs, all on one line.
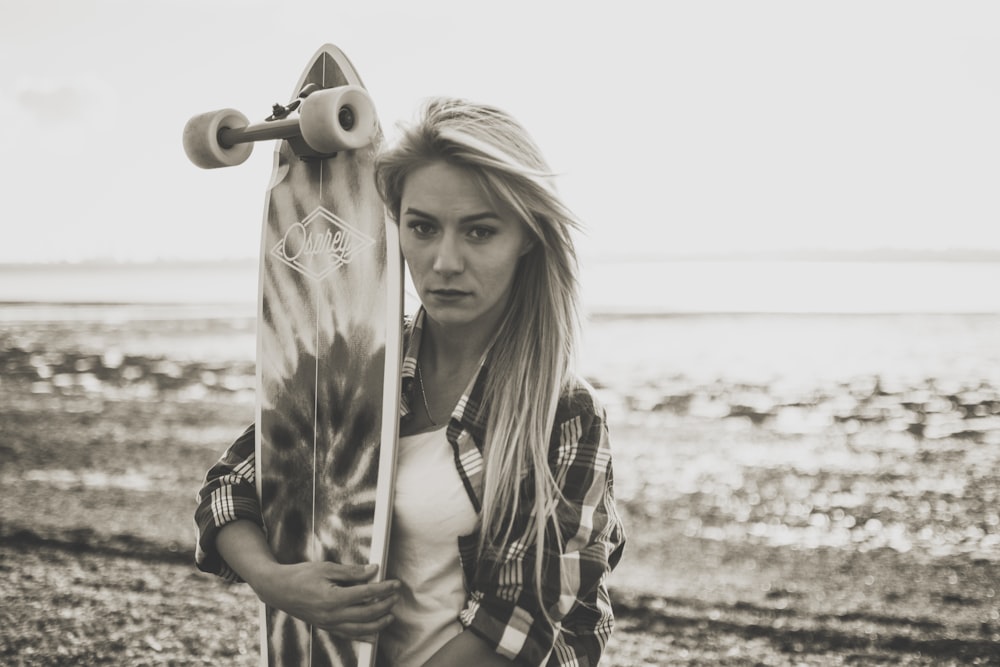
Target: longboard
{"points": [[328, 338]]}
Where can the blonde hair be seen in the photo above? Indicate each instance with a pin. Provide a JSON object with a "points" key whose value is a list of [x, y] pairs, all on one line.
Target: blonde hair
{"points": [[533, 357]]}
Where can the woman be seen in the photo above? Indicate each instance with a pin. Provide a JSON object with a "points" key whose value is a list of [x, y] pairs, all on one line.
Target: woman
{"points": [[504, 528]]}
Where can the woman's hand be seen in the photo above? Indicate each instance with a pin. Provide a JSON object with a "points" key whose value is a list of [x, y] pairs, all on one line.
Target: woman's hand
{"points": [[331, 596], [328, 595]]}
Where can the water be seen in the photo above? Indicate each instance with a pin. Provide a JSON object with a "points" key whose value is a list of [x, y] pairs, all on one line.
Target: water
{"points": [[647, 287], [846, 405], [759, 322], [193, 284], [794, 348], [609, 287]]}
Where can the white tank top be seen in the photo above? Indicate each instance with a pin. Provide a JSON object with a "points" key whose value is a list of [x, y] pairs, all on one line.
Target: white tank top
{"points": [[431, 510]]}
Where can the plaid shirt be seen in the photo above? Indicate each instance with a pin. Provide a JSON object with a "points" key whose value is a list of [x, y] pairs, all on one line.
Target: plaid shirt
{"points": [[502, 606]]}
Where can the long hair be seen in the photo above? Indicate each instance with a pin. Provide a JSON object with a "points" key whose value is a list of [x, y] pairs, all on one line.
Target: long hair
{"points": [[533, 357]]}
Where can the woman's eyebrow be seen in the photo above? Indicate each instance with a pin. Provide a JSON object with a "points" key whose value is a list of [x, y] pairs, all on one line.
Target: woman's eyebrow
{"points": [[485, 215], [417, 212], [475, 217]]}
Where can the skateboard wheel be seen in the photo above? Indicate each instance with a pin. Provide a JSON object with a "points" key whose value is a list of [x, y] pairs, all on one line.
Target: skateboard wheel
{"points": [[201, 139], [337, 119]]}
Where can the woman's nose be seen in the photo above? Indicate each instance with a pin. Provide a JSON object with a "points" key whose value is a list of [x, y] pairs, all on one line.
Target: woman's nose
{"points": [[448, 258]]}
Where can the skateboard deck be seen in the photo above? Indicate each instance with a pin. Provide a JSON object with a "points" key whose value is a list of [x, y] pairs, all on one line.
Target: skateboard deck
{"points": [[328, 355]]}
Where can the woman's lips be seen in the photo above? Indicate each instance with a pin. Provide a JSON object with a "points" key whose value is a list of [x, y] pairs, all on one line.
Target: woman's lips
{"points": [[449, 294]]}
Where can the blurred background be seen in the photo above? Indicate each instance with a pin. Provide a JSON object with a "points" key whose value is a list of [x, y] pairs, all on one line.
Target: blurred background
{"points": [[789, 267]]}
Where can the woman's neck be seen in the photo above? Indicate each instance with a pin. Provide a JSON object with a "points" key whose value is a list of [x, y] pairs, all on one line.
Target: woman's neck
{"points": [[447, 361], [454, 350]]}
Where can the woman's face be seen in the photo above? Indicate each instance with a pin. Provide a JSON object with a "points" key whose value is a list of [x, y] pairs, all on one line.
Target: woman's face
{"points": [[461, 249]]}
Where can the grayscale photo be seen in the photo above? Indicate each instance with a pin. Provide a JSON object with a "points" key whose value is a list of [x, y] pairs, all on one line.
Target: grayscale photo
{"points": [[456, 334]]}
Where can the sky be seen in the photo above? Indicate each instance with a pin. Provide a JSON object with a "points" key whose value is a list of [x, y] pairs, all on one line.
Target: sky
{"points": [[675, 127]]}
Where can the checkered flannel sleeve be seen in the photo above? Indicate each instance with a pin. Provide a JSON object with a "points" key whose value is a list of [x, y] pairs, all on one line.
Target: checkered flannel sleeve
{"points": [[503, 607], [229, 494]]}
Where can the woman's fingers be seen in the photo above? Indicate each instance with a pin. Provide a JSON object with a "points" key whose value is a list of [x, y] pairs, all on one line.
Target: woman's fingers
{"points": [[362, 594], [347, 574], [367, 610], [333, 596]]}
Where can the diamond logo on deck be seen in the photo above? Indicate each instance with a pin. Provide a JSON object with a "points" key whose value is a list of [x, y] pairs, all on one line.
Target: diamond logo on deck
{"points": [[321, 243]]}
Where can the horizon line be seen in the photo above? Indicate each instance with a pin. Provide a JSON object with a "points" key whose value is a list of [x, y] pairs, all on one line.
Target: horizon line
{"points": [[882, 254]]}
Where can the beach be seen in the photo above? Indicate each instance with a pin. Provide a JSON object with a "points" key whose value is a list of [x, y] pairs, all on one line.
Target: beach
{"points": [[812, 489]]}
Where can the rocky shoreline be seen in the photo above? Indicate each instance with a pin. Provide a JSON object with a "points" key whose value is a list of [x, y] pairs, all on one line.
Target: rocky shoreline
{"points": [[824, 523]]}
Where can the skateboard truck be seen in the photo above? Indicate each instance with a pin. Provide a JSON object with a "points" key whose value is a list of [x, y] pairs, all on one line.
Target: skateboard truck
{"points": [[329, 120], [280, 111]]}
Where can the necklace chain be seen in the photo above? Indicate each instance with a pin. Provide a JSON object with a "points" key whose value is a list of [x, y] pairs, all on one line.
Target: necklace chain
{"points": [[423, 395]]}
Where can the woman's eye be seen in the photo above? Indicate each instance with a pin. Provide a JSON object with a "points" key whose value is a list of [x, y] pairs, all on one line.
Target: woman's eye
{"points": [[420, 228], [482, 233]]}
